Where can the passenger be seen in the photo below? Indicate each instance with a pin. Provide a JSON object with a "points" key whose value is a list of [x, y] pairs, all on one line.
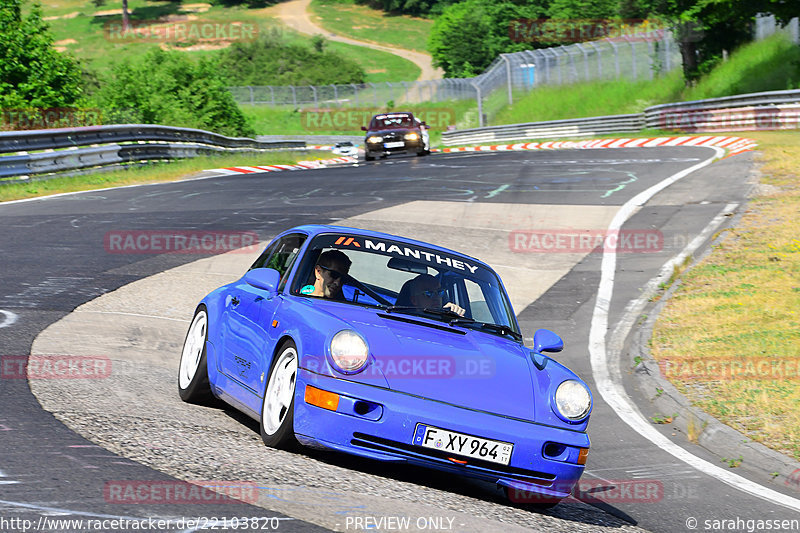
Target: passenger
{"points": [[423, 292], [329, 272]]}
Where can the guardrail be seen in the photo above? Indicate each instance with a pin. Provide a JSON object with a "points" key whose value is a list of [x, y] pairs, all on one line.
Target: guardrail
{"points": [[554, 129], [756, 111], [745, 112], [74, 149]]}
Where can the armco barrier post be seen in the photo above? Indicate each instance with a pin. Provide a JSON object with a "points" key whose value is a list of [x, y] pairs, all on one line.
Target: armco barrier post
{"points": [[508, 78]]}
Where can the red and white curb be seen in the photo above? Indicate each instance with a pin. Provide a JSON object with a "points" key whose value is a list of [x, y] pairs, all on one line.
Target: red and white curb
{"points": [[300, 165], [732, 145]]}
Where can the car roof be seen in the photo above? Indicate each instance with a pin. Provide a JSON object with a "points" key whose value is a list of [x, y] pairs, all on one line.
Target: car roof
{"points": [[316, 229]]}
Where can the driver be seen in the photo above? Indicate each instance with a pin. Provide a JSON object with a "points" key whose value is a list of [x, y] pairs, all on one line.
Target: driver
{"points": [[329, 272], [424, 291]]}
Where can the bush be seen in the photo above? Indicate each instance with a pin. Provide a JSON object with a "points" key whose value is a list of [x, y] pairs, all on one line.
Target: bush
{"points": [[269, 61], [170, 88], [32, 72]]}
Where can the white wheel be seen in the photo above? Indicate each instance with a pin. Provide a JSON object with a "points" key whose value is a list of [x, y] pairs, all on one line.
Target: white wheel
{"points": [[277, 409], [192, 372]]}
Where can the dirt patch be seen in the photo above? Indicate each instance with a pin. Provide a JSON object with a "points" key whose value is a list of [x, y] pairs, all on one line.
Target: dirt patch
{"points": [[197, 47], [107, 13], [196, 8], [64, 42], [67, 16]]}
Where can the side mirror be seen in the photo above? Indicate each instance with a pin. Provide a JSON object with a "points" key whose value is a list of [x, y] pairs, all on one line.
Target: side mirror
{"points": [[363, 128], [545, 340], [263, 278]]}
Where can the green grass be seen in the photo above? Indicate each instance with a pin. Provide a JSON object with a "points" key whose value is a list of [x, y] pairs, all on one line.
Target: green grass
{"points": [[268, 120], [153, 173], [345, 17], [379, 66], [771, 64], [593, 99], [100, 52]]}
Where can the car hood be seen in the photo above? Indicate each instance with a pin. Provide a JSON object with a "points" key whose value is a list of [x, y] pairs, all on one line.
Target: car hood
{"points": [[401, 131], [459, 366]]}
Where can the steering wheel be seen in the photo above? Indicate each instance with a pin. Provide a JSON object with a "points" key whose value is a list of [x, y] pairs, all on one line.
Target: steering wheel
{"points": [[350, 280]]}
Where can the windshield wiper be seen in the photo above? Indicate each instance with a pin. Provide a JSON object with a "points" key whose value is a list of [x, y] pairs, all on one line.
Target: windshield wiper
{"points": [[499, 328], [444, 313]]}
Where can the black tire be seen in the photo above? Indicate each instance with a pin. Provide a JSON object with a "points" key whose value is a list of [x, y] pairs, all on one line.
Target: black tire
{"points": [[368, 157], [280, 434], [193, 385]]}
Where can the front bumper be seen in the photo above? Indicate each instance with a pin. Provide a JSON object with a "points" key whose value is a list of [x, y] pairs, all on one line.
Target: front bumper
{"points": [[410, 147], [380, 424]]}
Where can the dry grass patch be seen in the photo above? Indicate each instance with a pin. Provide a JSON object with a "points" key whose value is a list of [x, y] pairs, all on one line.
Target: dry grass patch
{"points": [[741, 306]]}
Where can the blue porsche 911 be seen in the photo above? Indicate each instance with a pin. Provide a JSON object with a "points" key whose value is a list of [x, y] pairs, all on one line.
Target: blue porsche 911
{"points": [[391, 349]]}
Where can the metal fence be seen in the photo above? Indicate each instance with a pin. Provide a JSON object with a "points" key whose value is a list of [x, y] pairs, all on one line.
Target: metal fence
{"points": [[767, 25], [637, 56]]}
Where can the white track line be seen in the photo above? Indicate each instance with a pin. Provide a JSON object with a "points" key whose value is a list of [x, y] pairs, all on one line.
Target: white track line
{"points": [[611, 389], [9, 319]]}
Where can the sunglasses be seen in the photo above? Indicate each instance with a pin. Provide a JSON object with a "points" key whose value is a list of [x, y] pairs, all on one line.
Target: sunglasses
{"points": [[334, 274], [435, 292]]}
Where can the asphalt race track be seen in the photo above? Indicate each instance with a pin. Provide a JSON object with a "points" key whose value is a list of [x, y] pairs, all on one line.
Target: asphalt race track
{"points": [[59, 462]]}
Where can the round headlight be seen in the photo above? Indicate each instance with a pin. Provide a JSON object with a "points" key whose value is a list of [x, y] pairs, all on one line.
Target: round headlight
{"points": [[349, 351], [412, 136], [573, 400], [375, 139]]}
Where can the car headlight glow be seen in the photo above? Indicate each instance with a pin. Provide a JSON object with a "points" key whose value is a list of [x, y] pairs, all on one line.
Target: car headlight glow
{"points": [[349, 351], [573, 399], [412, 136], [375, 139]]}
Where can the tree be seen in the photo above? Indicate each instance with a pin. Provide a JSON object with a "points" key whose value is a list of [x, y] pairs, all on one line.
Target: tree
{"points": [[706, 28], [469, 35], [32, 72], [169, 88]]}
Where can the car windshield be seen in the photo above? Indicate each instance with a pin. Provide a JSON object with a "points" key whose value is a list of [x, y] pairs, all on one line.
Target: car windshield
{"points": [[406, 278], [387, 122]]}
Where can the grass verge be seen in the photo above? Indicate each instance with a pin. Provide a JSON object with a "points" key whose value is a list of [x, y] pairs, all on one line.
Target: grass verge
{"points": [[293, 121], [153, 173], [345, 17], [741, 306]]}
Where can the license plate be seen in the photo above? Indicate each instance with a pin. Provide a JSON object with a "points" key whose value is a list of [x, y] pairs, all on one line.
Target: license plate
{"points": [[396, 144], [461, 444]]}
